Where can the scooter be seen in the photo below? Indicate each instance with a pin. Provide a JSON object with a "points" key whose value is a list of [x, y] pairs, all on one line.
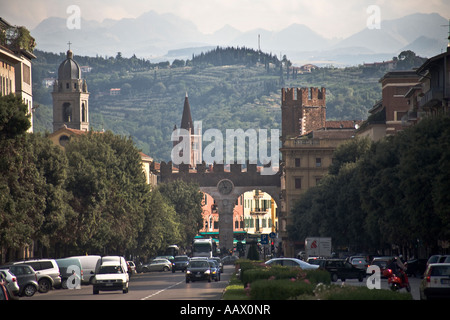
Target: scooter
{"points": [[396, 282]]}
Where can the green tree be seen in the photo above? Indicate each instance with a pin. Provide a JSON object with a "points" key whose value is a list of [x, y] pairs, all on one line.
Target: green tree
{"points": [[186, 198], [161, 227], [14, 117], [109, 191], [22, 200]]}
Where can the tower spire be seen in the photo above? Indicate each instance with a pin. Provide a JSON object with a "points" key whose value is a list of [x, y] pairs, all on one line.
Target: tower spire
{"points": [[186, 120]]}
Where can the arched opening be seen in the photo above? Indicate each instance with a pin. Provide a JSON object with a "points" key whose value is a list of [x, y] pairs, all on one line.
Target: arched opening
{"points": [[67, 112], [254, 214]]}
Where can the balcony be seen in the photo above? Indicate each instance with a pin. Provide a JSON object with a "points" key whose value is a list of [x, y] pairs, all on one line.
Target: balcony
{"points": [[431, 98]]}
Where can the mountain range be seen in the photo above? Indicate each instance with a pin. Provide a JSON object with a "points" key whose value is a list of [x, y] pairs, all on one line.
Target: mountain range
{"points": [[162, 37]]}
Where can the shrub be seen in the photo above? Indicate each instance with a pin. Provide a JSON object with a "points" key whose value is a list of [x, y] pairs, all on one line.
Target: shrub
{"points": [[335, 292], [280, 289]]}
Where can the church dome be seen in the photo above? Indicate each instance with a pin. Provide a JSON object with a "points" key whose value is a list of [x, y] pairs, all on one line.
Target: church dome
{"points": [[69, 68]]}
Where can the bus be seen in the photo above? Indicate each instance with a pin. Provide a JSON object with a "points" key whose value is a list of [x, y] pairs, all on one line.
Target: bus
{"points": [[172, 250], [204, 248]]}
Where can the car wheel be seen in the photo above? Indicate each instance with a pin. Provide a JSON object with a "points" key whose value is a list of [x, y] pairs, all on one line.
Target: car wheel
{"points": [[29, 290], [334, 277], [44, 285], [209, 279], [187, 280], [64, 283], [166, 269], [94, 291]]}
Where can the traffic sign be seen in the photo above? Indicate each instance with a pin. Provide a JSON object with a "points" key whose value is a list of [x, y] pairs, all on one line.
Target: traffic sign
{"points": [[272, 235], [264, 239]]}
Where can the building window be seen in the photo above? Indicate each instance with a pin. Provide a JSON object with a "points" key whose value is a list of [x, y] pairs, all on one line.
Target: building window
{"points": [[297, 162], [318, 162], [298, 183]]}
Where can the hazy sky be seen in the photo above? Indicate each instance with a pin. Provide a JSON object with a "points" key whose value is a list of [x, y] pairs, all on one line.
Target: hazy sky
{"points": [[330, 18]]}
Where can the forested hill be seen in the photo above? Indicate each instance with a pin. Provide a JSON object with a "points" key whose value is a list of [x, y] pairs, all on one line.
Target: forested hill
{"points": [[235, 56], [228, 88]]}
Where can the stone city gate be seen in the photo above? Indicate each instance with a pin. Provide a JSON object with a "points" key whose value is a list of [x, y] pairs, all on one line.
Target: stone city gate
{"points": [[225, 187]]}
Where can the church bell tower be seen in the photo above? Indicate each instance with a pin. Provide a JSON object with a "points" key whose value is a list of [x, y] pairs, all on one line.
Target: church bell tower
{"points": [[70, 97]]}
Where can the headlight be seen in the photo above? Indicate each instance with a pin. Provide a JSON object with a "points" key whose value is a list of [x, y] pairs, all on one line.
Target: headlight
{"points": [[207, 271], [188, 272]]}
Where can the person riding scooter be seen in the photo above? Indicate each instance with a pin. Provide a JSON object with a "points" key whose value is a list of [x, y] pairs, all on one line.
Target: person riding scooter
{"points": [[398, 268]]}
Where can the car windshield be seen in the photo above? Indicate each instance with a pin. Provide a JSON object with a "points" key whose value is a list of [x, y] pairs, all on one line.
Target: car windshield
{"points": [[181, 259], [110, 269], [440, 271], [199, 264]]}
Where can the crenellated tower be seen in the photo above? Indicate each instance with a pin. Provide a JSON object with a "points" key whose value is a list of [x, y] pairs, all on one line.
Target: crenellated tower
{"points": [[302, 110]]}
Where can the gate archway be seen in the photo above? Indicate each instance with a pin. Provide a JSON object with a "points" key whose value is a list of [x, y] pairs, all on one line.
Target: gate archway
{"points": [[225, 187]]}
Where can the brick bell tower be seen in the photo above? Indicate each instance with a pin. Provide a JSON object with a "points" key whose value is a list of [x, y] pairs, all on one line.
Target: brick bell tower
{"points": [[302, 110]]}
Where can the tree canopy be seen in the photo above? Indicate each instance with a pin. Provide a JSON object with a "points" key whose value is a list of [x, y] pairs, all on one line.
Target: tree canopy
{"points": [[391, 192], [91, 198]]}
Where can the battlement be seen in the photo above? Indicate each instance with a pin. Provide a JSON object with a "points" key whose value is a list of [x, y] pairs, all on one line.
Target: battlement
{"points": [[217, 172], [307, 97]]}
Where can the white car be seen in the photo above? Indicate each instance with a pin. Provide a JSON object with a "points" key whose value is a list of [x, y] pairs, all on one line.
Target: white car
{"points": [[292, 262], [111, 277], [436, 282]]}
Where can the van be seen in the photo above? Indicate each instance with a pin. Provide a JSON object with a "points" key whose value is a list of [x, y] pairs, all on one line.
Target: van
{"points": [[88, 264], [119, 259], [67, 267], [111, 275]]}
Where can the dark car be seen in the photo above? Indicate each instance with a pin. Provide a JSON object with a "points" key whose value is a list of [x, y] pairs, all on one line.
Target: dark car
{"points": [[341, 269], [215, 269], [180, 263], [26, 278], [416, 267], [382, 263], [198, 270]]}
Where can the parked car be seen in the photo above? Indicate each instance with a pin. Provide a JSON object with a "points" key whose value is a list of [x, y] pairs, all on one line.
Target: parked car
{"points": [[170, 258], [198, 270], [131, 268], [26, 278], [111, 276], [341, 269], [157, 265], [292, 262], [11, 284], [88, 264], [229, 259], [436, 282], [47, 272], [416, 267], [180, 263], [215, 270], [69, 267]]}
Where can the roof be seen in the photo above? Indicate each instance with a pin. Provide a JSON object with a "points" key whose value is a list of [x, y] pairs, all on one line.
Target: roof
{"points": [[69, 68], [186, 120]]}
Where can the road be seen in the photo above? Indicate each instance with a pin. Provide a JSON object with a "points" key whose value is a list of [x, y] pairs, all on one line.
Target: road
{"points": [[148, 286], [172, 286]]}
